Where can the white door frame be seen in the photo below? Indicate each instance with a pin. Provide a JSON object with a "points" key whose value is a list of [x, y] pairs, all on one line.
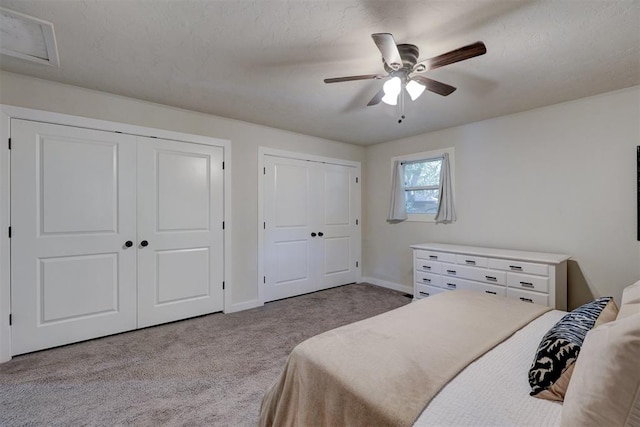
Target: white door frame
{"points": [[8, 112], [265, 151]]}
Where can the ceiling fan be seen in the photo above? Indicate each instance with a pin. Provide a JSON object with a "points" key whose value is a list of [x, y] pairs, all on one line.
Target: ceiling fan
{"points": [[403, 69]]}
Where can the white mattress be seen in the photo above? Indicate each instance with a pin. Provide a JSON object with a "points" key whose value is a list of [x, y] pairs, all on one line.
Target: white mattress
{"points": [[494, 390]]}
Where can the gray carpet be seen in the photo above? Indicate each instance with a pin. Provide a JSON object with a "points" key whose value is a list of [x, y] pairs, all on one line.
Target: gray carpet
{"points": [[210, 370]]}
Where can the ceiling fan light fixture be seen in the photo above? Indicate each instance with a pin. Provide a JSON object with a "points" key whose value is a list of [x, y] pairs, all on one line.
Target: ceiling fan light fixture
{"points": [[415, 89], [392, 88], [401, 65], [390, 100]]}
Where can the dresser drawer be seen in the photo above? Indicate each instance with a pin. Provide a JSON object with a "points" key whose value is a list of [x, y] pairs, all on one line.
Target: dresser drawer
{"points": [[528, 282], [428, 266], [451, 283], [454, 270], [473, 261], [528, 296], [428, 279], [492, 289], [436, 256], [455, 284], [519, 267], [474, 273], [423, 291], [489, 276]]}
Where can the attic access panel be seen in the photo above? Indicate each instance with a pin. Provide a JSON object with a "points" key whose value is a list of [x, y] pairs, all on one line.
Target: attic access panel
{"points": [[25, 37]]}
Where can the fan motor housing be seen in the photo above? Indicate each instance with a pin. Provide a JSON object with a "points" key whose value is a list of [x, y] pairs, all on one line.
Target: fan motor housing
{"points": [[409, 54]]}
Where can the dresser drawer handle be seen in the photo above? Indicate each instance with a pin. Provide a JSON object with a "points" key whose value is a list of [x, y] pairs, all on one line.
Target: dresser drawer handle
{"points": [[452, 285], [526, 299], [491, 292], [527, 284], [470, 262], [426, 267], [494, 279], [515, 267], [433, 256], [426, 294], [424, 279], [451, 271]]}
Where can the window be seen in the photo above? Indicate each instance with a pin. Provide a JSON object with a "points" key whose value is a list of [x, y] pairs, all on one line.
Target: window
{"points": [[422, 185], [422, 182]]}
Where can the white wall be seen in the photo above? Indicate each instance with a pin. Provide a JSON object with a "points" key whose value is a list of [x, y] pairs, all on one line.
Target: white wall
{"points": [[555, 179], [245, 139], [537, 180]]}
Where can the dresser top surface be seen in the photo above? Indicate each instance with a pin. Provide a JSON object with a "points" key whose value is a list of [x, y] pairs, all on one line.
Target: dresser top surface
{"points": [[542, 257]]}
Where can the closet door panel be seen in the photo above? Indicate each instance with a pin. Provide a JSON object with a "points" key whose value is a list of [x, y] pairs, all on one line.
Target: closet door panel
{"points": [[337, 222], [73, 209], [183, 194], [180, 214], [289, 249], [90, 205]]}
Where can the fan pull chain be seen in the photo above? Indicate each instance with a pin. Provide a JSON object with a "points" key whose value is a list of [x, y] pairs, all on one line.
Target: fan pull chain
{"points": [[401, 106]]}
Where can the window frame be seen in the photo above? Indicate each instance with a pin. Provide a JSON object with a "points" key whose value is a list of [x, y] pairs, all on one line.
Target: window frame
{"points": [[426, 156]]}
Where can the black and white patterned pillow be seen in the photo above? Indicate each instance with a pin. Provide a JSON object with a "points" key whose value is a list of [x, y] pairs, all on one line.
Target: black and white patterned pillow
{"points": [[560, 346]]}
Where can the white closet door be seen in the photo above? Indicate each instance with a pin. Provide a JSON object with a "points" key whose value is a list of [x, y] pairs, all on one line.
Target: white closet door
{"points": [[310, 231], [337, 224], [180, 213], [73, 209], [290, 201]]}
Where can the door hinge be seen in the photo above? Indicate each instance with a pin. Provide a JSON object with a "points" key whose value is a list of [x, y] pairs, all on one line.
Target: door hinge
{"points": [[223, 286], [357, 264], [222, 165], [264, 171], [9, 232], [264, 225], [9, 143], [356, 221], [10, 319], [264, 279], [223, 225], [356, 179]]}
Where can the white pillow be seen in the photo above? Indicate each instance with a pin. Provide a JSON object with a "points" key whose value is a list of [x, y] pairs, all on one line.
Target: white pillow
{"points": [[629, 309], [630, 301], [605, 386], [631, 293]]}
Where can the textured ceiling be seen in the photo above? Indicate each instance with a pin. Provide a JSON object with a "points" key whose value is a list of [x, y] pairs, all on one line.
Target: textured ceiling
{"points": [[264, 61]]}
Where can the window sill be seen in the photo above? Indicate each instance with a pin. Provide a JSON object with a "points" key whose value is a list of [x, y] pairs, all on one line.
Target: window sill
{"points": [[421, 218]]}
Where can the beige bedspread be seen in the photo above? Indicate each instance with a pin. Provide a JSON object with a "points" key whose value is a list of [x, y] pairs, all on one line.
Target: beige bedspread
{"points": [[384, 370]]}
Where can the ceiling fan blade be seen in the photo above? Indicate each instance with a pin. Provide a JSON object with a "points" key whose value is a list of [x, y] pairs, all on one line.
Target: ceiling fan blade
{"points": [[434, 85], [465, 52], [388, 49], [377, 98], [351, 78]]}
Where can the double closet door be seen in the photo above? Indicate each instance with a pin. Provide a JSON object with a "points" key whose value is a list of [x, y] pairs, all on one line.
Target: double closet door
{"points": [[110, 232], [311, 237]]}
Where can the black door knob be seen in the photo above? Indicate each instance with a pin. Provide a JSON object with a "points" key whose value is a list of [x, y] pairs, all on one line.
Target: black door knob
{"points": [[128, 243], [320, 233], [144, 243], [313, 234]]}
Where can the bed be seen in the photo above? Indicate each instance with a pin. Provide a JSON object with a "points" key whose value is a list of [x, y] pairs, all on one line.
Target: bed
{"points": [[493, 390], [388, 370]]}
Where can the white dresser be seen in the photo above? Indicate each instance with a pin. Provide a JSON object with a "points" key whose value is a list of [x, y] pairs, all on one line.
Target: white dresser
{"points": [[532, 277]]}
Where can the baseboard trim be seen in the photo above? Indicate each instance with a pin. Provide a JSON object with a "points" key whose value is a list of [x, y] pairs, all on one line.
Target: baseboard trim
{"points": [[388, 285], [241, 306]]}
